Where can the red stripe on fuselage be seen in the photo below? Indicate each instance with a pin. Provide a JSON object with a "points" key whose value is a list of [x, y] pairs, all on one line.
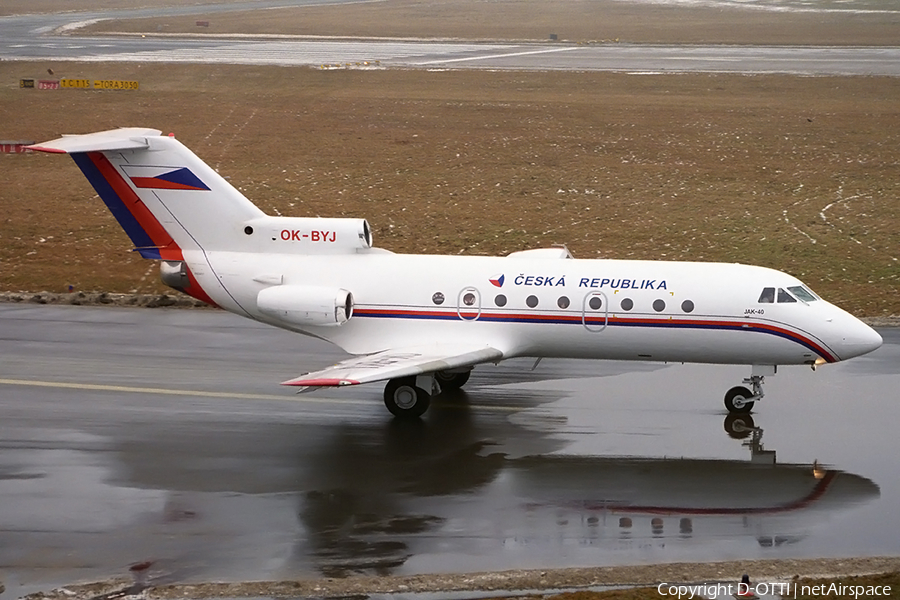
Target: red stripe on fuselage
{"points": [[196, 291], [599, 320], [168, 249]]}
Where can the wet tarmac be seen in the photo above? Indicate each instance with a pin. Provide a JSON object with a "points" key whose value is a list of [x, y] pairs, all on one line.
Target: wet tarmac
{"points": [[36, 37], [130, 435]]}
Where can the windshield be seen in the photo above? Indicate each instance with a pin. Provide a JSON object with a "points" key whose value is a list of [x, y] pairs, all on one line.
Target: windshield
{"points": [[783, 296], [802, 293]]}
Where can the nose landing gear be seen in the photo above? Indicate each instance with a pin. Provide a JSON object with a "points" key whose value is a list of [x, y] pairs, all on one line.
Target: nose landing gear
{"points": [[739, 399]]}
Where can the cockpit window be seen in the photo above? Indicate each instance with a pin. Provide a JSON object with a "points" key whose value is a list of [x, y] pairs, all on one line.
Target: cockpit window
{"points": [[767, 296], [783, 296], [802, 293]]}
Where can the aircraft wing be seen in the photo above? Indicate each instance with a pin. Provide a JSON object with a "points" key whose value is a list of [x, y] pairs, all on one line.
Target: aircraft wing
{"points": [[394, 363]]}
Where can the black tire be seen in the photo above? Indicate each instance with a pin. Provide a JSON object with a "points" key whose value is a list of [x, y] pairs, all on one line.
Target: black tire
{"points": [[404, 399], [452, 381], [736, 400], [739, 426]]}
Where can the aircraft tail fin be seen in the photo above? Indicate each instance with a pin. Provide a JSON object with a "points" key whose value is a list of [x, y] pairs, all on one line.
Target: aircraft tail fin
{"points": [[168, 201], [164, 197]]}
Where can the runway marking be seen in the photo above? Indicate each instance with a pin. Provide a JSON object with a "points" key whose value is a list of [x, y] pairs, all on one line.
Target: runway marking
{"points": [[489, 56], [122, 389], [97, 387]]}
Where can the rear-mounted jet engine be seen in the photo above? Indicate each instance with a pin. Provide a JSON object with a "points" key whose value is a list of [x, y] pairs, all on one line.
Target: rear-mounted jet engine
{"points": [[307, 235], [306, 305]]}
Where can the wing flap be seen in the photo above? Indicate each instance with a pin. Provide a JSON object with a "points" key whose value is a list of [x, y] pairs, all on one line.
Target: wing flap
{"points": [[391, 364]]}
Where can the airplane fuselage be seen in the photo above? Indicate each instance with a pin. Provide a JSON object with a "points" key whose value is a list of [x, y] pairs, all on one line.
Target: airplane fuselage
{"points": [[551, 307]]}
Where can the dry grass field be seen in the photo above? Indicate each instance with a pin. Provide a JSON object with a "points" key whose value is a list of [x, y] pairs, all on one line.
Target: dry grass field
{"points": [[800, 174]]}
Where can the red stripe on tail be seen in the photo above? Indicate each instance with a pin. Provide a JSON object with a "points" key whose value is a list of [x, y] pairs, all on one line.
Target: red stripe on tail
{"points": [[168, 249]]}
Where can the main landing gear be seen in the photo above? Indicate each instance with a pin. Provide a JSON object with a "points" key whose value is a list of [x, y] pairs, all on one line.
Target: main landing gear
{"points": [[452, 380], [739, 399], [410, 397]]}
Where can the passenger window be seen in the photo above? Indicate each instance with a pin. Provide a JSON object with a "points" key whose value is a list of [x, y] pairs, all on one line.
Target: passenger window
{"points": [[767, 296], [627, 304], [783, 296], [802, 293], [563, 302], [531, 301], [500, 300]]}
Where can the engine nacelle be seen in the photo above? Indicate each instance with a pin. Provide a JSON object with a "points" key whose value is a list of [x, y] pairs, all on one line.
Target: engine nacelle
{"points": [[306, 304], [174, 274], [308, 235]]}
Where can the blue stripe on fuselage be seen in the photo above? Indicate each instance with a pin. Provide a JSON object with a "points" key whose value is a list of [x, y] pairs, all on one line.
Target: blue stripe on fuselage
{"points": [[597, 320]]}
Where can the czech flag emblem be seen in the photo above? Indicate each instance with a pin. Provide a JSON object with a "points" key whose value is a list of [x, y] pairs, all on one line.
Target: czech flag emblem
{"points": [[164, 178], [497, 281]]}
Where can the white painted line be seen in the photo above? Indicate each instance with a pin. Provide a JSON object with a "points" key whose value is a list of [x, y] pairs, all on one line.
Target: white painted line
{"points": [[489, 56], [170, 392], [122, 389]]}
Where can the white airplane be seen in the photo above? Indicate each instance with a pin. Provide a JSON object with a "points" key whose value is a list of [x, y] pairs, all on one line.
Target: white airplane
{"points": [[422, 322]]}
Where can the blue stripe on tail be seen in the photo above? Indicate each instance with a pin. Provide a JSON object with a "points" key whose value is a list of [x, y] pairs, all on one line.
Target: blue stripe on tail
{"points": [[139, 237]]}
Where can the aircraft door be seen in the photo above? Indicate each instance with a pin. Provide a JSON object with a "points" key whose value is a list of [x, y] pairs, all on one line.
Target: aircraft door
{"points": [[595, 311], [468, 304]]}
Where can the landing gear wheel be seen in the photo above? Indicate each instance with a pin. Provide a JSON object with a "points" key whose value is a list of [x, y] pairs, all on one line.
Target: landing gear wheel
{"points": [[404, 399], [452, 381], [736, 400]]}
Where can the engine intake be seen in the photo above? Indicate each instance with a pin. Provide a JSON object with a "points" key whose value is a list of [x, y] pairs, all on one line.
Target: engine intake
{"points": [[306, 305]]}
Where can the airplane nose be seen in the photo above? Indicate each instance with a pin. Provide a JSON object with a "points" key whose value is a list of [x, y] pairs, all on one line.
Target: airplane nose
{"points": [[858, 340]]}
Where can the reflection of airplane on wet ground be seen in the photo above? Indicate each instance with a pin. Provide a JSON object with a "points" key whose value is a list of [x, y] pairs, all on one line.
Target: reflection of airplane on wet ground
{"points": [[370, 498], [613, 504], [422, 322]]}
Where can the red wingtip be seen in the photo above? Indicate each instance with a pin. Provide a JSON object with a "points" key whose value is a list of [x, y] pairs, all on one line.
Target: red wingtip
{"points": [[319, 382], [45, 149]]}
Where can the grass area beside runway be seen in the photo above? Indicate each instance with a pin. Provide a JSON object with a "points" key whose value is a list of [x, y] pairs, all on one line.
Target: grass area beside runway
{"points": [[799, 174]]}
